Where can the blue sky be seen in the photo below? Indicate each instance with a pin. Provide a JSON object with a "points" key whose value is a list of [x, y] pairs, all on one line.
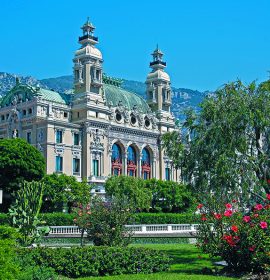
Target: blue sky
{"points": [[206, 43]]}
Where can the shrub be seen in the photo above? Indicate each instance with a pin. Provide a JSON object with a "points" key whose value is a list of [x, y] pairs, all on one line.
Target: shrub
{"points": [[63, 219], [131, 188], [241, 239], [57, 219], [169, 196], [31, 271], [61, 191], [98, 261], [104, 221], [166, 196], [9, 269], [4, 219]]}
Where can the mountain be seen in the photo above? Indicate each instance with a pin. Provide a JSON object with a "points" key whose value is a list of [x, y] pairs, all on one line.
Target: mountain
{"points": [[182, 98]]}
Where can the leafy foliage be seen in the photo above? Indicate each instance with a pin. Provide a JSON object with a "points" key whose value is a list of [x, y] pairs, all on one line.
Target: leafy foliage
{"points": [[62, 189], [95, 261], [24, 212], [104, 221], [145, 194], [9, 269], [19, 161], [64, 219], [169, 196], [241, 239], [31, 271], [57, 219], [227, 146], [130, 188]]}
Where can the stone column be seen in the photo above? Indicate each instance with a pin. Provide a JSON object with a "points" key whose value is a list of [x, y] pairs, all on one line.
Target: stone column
{"points": [[154, 174], [140, 166], [125, 163]]}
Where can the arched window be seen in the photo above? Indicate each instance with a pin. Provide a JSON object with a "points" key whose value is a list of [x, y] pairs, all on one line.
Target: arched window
{"points": [[116, 160], [146, 164], [131, 162]]}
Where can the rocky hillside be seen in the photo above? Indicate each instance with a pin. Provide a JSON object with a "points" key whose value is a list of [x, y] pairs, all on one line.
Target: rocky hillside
{"points": [[182, 98]]}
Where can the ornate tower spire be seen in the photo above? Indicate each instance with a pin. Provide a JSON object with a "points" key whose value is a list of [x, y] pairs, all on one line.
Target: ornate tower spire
{"points": [[88, 62], [158, 84], [88, 34]]}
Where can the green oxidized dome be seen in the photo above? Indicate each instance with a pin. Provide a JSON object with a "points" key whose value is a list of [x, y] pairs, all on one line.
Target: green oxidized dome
{"points": [[115, 95]]}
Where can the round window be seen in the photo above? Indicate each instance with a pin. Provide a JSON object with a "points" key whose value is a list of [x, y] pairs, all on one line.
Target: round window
{"points": [[118, 116], [147, 123], [133, 119]]}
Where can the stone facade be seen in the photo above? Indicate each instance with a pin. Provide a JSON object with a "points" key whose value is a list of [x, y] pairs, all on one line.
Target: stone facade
{"points": [[99, 129]]}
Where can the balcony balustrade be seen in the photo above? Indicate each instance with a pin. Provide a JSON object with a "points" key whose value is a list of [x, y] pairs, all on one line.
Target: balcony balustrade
{"points": [[158, 62]]}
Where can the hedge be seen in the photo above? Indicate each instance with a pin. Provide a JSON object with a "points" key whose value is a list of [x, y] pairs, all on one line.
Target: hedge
{"points": [[57, 219], [4, 219], [98, 261], [63, 219]]}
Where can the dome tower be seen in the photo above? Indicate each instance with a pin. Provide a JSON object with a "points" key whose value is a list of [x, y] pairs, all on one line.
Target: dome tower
{"points": [[158, 84], [88, 62]]}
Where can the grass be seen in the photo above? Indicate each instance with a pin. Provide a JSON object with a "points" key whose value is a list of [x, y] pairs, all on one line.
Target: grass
{"points": [[188, 264]]}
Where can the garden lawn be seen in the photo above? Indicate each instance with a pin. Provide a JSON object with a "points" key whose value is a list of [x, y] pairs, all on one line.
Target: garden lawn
{"points": [[187, 264]]}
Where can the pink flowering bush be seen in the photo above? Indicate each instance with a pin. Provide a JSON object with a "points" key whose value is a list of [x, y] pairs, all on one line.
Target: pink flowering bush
{"points": [[104, 222], [82, 218], [241, 239]]}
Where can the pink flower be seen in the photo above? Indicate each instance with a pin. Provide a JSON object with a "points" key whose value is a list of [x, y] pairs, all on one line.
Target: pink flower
{"points": [[268, 196], [258, 207], [88, 212], [228, 213], [228, 206], [234, 228], [231, 240], [256, 215], [218, 216], [200, 206], [246, 219], [263, 225], [252, 248], [203, 218], [234, 200]]}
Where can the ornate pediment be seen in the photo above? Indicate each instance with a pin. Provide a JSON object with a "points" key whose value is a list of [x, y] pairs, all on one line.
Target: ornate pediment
{"points": [[20, 93]]}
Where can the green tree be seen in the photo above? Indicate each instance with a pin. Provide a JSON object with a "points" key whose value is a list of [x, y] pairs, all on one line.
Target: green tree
{"points": [[19, 161], [169, 196], [130, 188], [227, 148], [61, 189]]}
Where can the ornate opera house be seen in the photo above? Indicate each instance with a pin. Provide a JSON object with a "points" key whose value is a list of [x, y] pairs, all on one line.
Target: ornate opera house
{"points": [[99, 129]]}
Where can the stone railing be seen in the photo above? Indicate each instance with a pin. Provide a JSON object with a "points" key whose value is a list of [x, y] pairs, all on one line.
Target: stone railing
{"points": [[158, 230]]}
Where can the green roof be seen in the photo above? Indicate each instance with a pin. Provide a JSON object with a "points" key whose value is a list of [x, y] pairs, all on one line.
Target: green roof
{"points": [[53, 96], [26, 92], [114, 95]]}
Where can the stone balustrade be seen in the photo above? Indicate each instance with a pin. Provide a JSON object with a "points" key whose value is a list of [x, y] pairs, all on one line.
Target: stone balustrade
{"points": [[151, 230]]}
